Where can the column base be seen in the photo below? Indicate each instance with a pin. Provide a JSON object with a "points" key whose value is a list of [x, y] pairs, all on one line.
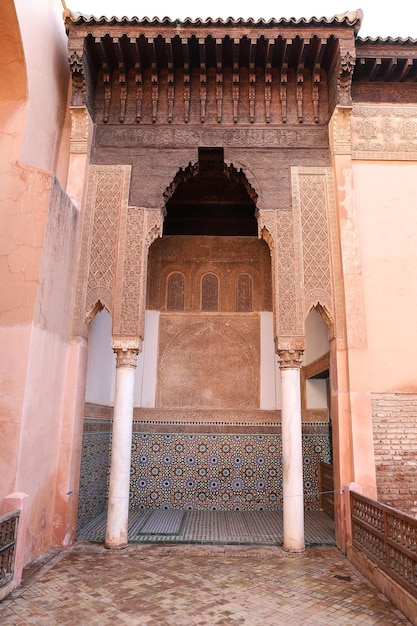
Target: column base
{"points": [[294, 550], [118, 546]]}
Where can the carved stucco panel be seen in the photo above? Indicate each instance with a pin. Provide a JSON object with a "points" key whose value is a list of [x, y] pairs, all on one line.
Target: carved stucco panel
{"points": [[313, 202], [310, 202], [142, 227], [80, 130], [384, 133], [283, 234], [107, 194], [289, 319]]}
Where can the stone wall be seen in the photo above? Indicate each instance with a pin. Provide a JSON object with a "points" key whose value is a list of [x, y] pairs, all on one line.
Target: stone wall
{"points": [[395, 439]]}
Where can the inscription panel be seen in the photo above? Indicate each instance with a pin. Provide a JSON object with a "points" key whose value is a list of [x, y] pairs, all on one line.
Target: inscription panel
{"points": [[112, 136]]}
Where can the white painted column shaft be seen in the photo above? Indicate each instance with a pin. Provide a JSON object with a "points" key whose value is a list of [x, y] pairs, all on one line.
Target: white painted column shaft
{"points": [[292, 460], [118, 505]]}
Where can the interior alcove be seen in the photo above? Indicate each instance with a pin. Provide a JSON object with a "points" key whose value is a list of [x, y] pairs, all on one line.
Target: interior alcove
{"points": [[210, 352]]}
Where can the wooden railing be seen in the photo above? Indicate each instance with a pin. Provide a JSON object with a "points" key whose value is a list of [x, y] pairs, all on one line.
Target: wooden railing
{"points": [[387, 537], [8, 535], [326, 488]]}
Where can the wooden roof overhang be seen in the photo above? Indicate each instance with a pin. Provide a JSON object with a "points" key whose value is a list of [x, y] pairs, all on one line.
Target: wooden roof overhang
{"points": [[102, 48], [386, 60]]}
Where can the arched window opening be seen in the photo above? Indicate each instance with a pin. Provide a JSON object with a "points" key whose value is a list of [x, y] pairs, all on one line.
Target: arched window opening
{"points": [[210, 292], [244, 293], [175, 292]]}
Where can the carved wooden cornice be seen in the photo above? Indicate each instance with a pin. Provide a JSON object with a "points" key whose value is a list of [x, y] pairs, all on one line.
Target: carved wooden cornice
{"points": [[386, 61], [149, 71]]}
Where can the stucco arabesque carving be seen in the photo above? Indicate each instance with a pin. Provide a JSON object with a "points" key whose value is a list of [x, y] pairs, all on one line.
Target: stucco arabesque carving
{"points": [[379, 132], [340, 130], [80, 123]]}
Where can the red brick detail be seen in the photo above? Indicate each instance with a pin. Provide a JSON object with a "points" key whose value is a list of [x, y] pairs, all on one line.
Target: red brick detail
{"points": [[395, 440]]}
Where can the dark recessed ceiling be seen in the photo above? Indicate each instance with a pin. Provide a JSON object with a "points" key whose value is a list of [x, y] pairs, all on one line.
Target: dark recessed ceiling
{"points": [[211, 202]]}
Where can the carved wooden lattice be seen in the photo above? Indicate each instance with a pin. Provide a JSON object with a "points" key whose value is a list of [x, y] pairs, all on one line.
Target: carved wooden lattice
{"points": [[8, 535], [388, 537]]}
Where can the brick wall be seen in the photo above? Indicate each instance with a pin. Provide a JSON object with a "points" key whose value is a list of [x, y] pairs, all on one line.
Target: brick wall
{"points": [[395, 439]]}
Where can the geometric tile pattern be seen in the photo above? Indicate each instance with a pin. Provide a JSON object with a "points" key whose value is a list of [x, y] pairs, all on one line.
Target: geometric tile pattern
{"points": [[95, 464], [154, 585], [213, 527], [218, 471], [198, 471]]}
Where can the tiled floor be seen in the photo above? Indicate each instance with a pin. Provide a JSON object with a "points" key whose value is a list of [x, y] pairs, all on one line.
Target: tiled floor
{"points": [[224, 527], [186, 585]]}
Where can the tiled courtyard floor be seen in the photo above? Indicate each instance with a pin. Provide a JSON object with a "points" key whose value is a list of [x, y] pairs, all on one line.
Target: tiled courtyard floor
{"points": [[185, 585]]}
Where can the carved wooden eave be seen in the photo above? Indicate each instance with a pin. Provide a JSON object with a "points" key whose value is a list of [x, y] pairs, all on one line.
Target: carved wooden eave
{"points": [[386, 60], [132, 71]]}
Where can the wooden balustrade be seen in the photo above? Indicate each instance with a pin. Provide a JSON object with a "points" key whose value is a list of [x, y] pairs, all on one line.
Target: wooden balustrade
{"points": [[387, 537], [8, 536], [326, 488]]}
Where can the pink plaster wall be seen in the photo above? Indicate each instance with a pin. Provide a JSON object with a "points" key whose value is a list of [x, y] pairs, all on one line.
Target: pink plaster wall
{"points": [[386, 200], [45, 48], [38, 250]]}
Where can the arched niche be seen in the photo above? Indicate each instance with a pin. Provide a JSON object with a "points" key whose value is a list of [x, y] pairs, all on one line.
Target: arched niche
{"points": [[316, 365], [215, 345]]}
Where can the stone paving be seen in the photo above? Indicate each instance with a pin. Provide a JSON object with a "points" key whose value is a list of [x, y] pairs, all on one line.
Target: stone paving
{"points": [[186, 585]]}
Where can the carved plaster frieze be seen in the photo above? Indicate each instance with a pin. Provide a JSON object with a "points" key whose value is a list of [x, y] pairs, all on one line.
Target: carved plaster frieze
{"points": [[384, 133], [132, 137]]}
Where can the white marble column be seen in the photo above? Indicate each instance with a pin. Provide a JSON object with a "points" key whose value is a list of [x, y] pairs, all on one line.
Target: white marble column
{"points": [[118, 505], [292, 454]]}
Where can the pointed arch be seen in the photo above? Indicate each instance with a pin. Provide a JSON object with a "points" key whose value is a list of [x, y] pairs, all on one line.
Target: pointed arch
{"points": [[94, 308], [185, 175], [326, 316]]}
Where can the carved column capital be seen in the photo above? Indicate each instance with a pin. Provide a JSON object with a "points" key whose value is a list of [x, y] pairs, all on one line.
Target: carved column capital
{"points": [[126, 350], [290, 359], [126, 357], [290, 351]]}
